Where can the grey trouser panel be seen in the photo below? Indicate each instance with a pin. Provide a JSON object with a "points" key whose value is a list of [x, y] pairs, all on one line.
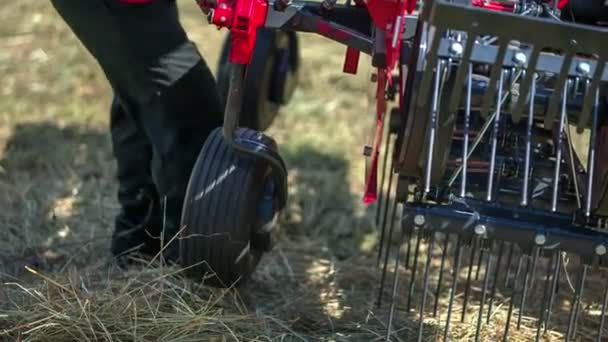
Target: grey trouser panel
{"points": [[166, 101]]}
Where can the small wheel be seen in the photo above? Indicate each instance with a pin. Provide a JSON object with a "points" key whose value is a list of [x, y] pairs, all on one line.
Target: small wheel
{"points": [[229, 212]]}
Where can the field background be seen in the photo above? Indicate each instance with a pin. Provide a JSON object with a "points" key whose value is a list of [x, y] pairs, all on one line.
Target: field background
{"points": [[57, 201]]}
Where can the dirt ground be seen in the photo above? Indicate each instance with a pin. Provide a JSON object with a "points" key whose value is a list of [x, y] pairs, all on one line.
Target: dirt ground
{"points": [[57, 201]]}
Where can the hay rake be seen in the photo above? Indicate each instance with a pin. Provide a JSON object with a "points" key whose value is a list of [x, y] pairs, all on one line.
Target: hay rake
{"points": [[497, 201]]}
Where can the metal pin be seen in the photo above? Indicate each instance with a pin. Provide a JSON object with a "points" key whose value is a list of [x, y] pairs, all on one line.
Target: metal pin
{"points": [[600, 329], [384, 221], [555, 282], [546, 289], [389, 328], [414, 267], [524, 194], [427, 185], [591, 155], [382, 176], [386, 253], [456, 271], [558, 152], [483, 295], [495, 282], [425, 284], [467, 286], [509, 260], [529, 270], [495, 138], [465, 148], [440, 280], [576, 305]]}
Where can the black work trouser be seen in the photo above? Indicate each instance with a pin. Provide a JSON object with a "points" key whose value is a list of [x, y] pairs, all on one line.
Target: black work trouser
{"points": [[166, 104]]}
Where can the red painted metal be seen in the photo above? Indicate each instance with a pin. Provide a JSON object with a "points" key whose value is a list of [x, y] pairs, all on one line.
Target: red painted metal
{"points": [[371, 183], [351, 60], [494, 5]]}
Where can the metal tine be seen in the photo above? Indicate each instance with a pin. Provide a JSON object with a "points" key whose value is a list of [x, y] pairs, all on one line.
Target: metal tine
{"points": [[591, 154], [386, 253], [483, 294], [527, 82], [467, 286], [414, 267], [561, 86], [389, 327], [495, 282], [479, 260], [407, 252], [529, 270], [444, 252], [467, 118], [600, 329], [434, 113], [524, 192], [509, 260], [558, 150], [463, 70], [576, 305], [425, 283], [386, 206], [518, 270], [382, 176], [495, 138], [511, 303], [494, 74], [456, 271], [588, 100], [554, 285], [546, 289]]}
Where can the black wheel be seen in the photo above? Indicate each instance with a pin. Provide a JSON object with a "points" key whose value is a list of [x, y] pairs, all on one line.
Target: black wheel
{"points": [[229, 213]]}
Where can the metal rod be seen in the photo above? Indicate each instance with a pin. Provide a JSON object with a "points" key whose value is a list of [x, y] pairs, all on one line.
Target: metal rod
{"points": [[591, 155], [578, 294], [554, 285], [408, 249], [465, 146], [456, 271], [511, 303], [525, 191], [444, 252], [384, 221], [382, 176], [495, 282], [495, 139], [558, 152], [386, 254], [483, 295], [425, 284], [522, 303], [467, 287], [546, 289], [414, 267], [479, 260], [509, 260], [434, 110], [389, 327]]}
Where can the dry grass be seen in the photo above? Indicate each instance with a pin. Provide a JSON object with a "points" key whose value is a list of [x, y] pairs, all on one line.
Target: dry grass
{"points": [[57, 200]]}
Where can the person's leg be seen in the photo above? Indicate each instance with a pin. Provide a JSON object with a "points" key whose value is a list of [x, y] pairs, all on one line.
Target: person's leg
{"points": [[162, 81]]}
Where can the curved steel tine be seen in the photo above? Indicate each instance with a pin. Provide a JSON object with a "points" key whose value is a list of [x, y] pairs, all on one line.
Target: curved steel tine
{"points": [[576, 305], [483, 295], [546, 289], [479, 260], [425, 283], [382, 176], [444, 252], [386, 253], [389, 327], [414, 267], [509, 261], [387, 200], [512, 302], [554, 288], [495, 282], [456, 271], [467, 287], [529, 270]]}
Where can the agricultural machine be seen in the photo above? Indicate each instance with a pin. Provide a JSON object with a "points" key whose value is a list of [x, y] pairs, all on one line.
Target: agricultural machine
{"points": [[489, 149]]}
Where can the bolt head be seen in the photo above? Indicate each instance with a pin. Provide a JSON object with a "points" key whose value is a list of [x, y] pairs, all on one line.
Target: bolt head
{"points": [[419, 220], [456, 49], [520, 58], [222, 19], [583, 68], [480, 229], [600, 250], [540, 239], [223, 6]]}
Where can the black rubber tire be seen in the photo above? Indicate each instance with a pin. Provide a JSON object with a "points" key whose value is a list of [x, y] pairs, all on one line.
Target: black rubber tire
{"points": [[220, 213]]}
